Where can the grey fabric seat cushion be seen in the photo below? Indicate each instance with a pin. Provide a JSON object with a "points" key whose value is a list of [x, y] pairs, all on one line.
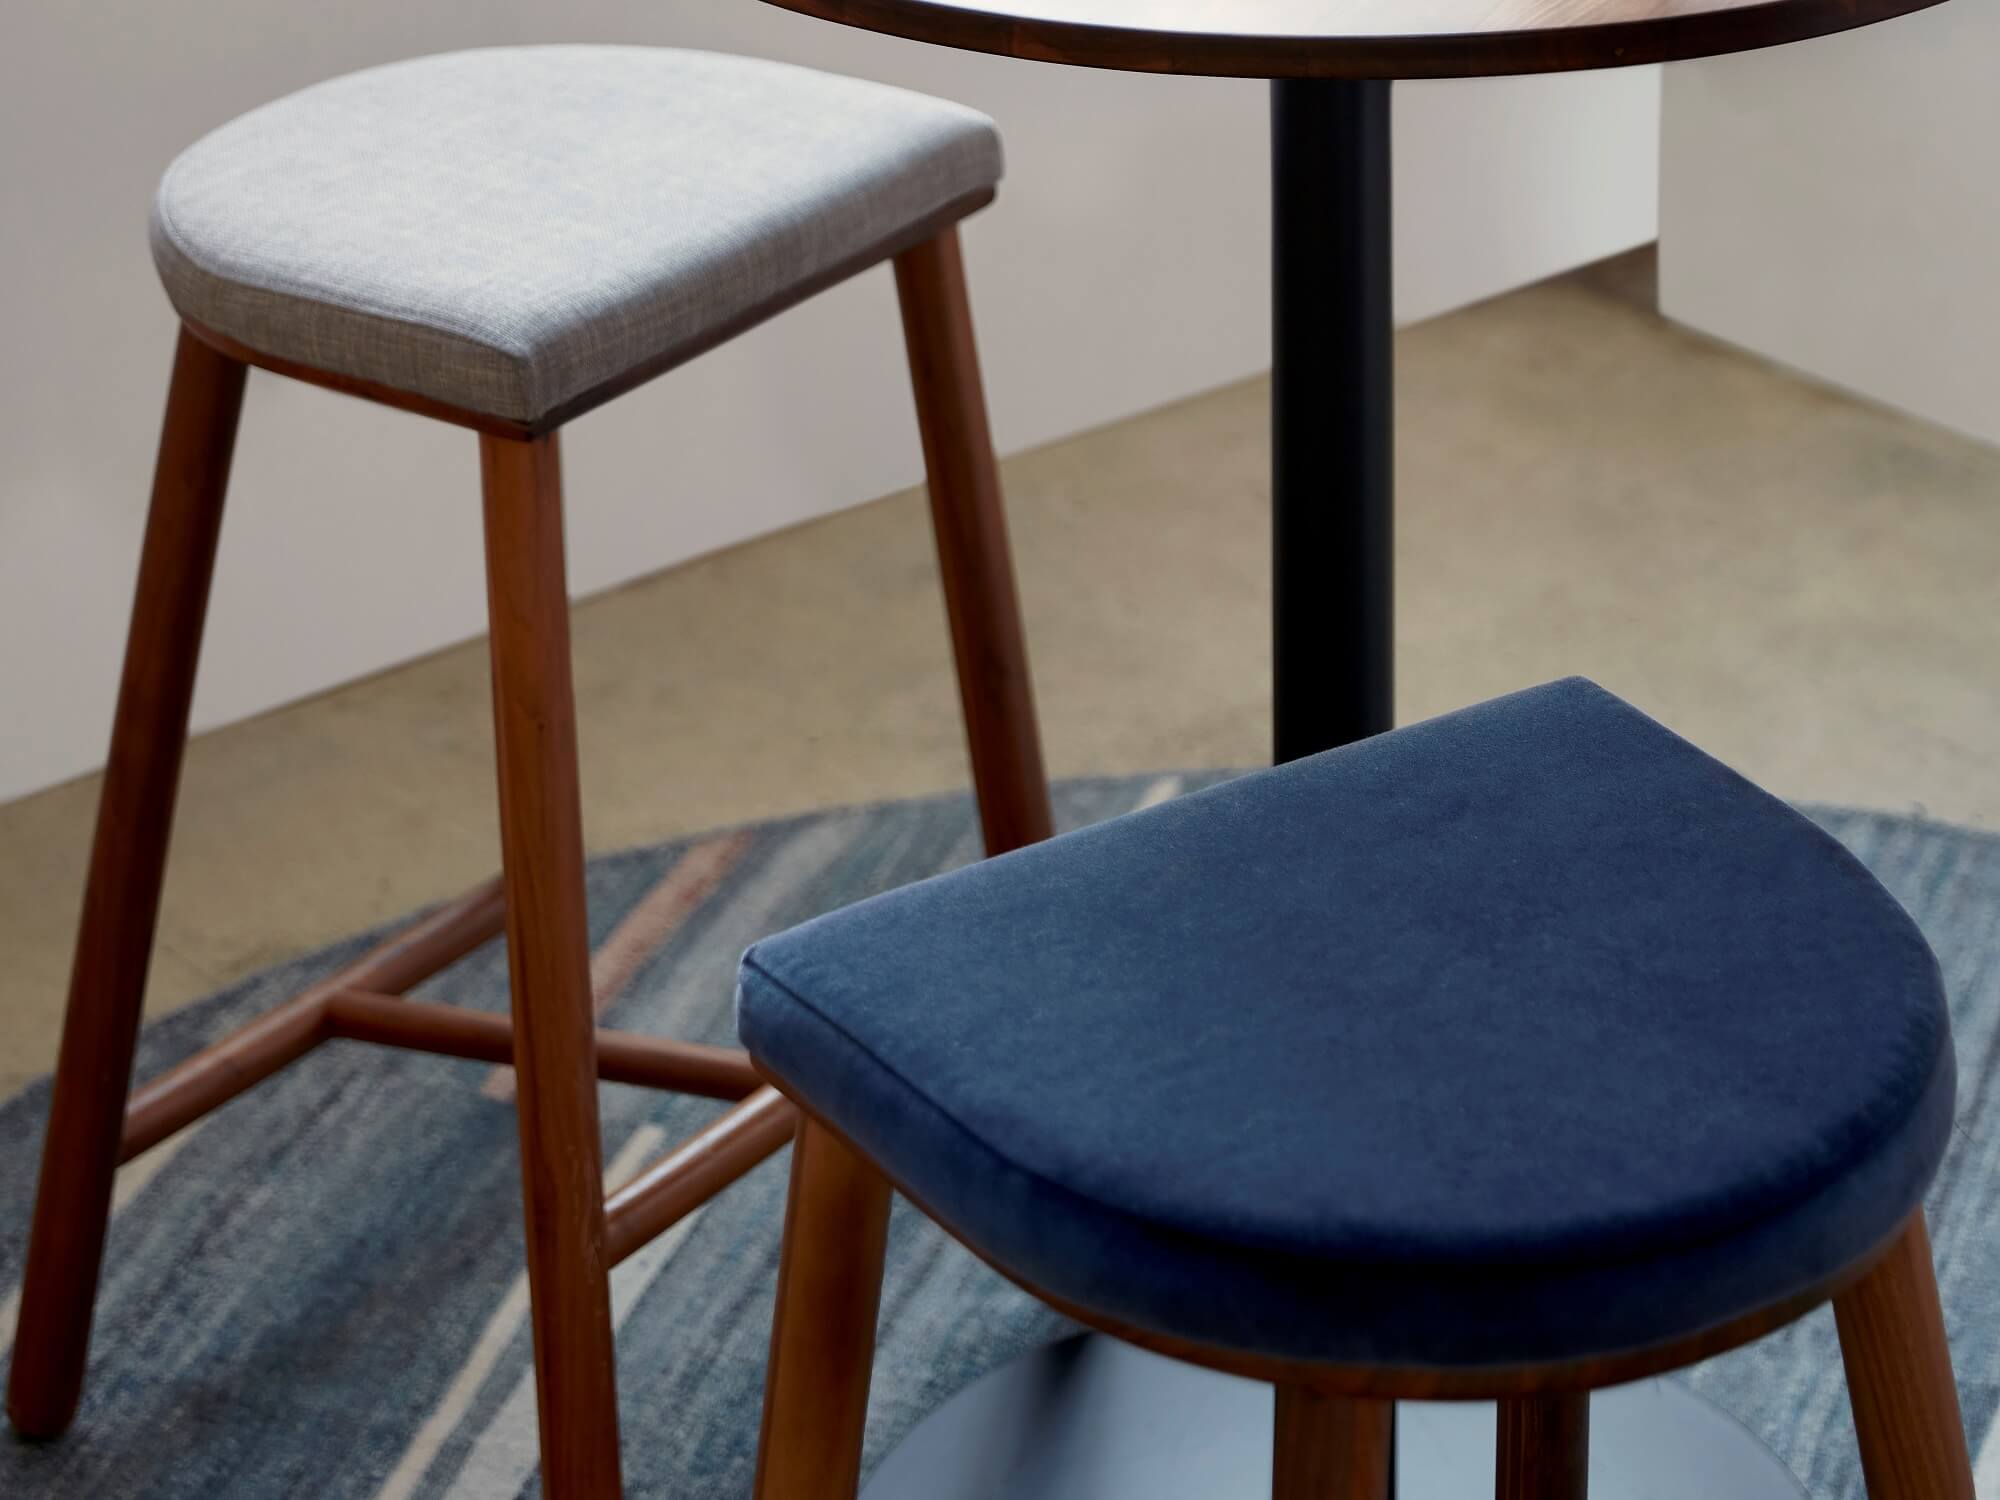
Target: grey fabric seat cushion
{"points": [[505, 230]]}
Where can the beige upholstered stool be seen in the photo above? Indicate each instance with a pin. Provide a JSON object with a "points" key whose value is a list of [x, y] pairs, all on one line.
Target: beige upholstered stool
{"points": [[503, 240]]}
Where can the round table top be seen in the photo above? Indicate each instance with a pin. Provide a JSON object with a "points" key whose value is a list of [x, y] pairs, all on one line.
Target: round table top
{"points": [[1355, 38]]}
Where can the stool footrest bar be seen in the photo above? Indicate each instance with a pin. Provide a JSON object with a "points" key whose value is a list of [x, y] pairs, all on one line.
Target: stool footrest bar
{"points": [[696, 1170], [217, 1074], [214, 1076], [622, 1057]]}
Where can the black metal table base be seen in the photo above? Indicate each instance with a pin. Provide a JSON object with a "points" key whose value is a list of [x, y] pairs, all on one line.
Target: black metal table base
{"points": [[1093, 1419]]}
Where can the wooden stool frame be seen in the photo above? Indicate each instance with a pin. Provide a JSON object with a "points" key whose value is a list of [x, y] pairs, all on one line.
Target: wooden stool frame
{"points": [[1333, 1431], [575, 1233]]}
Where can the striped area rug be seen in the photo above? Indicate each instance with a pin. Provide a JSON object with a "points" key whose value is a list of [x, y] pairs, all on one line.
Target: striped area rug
{"points": [[319, 1290]]}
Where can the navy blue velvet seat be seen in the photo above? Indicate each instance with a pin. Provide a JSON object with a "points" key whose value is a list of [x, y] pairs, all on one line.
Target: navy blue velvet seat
{"points": [[1526, 1034]]}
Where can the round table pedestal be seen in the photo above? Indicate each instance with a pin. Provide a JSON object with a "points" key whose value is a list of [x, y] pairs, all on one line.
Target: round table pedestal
{"points": [[1094, 1419]]}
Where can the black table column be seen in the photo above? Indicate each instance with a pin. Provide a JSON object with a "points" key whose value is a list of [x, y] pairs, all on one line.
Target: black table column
{"points": [[1333, 420], [1332, 414]]}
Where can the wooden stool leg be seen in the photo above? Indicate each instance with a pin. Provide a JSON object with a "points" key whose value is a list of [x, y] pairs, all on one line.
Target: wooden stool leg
{"points": [[1544, 1448], [1330, 1447], [823, 1337], [548, 953], [994, 686], [122, 897], [1899, 1378]]}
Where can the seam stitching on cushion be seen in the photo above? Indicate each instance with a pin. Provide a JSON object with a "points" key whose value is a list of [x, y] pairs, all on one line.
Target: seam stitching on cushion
{"points": [[1242, 1251], [533, 378], [1666, 1252], [1918, 965]]}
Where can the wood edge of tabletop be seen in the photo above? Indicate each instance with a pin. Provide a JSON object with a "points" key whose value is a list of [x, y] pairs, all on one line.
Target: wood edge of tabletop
{"points": [[1547, 47]]}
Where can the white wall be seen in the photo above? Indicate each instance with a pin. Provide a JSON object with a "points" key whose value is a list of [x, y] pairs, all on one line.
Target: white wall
{"points": [[1124, 266], [1503, 181], [1833, 205]]}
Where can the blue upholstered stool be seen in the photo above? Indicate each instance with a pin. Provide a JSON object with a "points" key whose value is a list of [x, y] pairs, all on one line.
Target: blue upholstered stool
{"points": [[1517, 1053]]}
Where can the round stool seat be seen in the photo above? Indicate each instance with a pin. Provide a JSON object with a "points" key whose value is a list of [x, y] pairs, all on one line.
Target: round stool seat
{"points": [[1524, 1035], [509, 231]]}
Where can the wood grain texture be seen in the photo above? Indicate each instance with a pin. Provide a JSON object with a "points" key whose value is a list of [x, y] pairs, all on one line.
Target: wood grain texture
{"points": [[1543, 1448], [1330, 1447], [982, 606], [823, 1336], [1899, 1377], [548, 955], [1383, 39], [122, 895]]}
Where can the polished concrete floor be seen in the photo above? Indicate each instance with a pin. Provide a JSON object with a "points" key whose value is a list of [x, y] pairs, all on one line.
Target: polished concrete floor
{"points": [[1802, 582]]}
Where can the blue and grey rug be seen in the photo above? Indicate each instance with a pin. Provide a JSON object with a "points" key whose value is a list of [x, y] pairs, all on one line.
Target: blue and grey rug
{"points": [[319, 1291]]}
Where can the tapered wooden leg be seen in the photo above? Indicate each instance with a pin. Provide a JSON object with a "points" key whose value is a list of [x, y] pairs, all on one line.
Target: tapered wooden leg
{"points": [[122, 897], [823, 1337], [1544, 1448], [994, 685], [1899, 1378], [548, 952], [1330, 1447]]}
